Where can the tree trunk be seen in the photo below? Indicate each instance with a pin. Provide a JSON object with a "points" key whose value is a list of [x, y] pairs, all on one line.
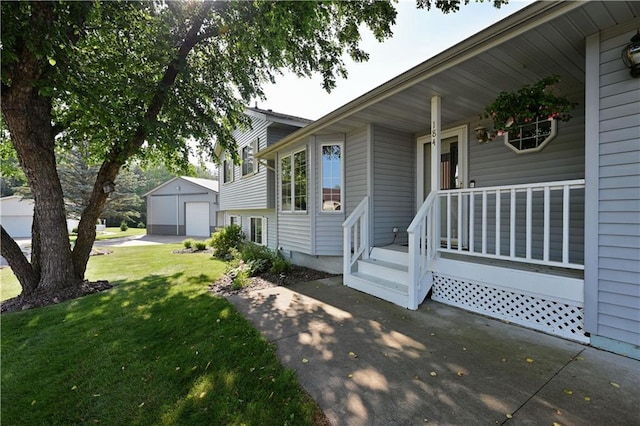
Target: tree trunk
{"points": [[19, 264], [28, 117]]}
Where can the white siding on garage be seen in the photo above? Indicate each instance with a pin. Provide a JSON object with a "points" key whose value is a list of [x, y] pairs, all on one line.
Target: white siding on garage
{"points": [[394, 178], [618, 273]]}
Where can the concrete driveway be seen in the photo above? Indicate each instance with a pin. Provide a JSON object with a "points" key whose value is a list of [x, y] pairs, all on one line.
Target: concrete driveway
{"points": [[368, 362]]}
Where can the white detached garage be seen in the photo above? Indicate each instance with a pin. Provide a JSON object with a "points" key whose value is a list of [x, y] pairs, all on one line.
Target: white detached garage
{"points": [[16, 216], [183, 206]]}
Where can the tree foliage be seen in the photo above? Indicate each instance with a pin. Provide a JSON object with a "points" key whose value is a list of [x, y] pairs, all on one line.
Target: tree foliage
{"points": [[136, 80]]}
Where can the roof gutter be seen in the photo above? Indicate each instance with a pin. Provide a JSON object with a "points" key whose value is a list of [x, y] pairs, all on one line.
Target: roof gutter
{"points": [[504, 30]]}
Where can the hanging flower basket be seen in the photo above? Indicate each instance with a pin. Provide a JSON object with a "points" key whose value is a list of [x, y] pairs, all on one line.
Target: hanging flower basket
{"points": [[529, 104]]}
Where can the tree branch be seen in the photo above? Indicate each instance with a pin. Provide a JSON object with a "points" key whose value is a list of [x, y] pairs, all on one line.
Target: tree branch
{"points": [[19, 263]]}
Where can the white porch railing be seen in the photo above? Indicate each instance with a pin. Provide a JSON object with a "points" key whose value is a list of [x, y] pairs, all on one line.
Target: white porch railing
{"points": [[525, 223], [422, 238], [356, 236]]}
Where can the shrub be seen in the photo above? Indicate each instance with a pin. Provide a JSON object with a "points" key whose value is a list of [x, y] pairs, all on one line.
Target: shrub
{"points": [[141, 225], [242, 279], [123, 226], [188, 243], [74, 230], [224, 240], [279, 264], [200, 245], [256, 256]]}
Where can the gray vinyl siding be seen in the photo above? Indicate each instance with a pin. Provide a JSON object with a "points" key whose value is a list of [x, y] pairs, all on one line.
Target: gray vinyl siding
{"points": [[618, 298], [246, 215], [294, 229], [356, 167], [328, 225], [393, 203], [247, 192], [494, 164]]}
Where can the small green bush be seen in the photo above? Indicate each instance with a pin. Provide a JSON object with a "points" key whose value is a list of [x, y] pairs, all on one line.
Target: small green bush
{"points": [[200, 245], [74, 230], [141, 225], [279, 264], [188, 243], [123, 226], [242, 279], [224, 240], [258, 257]]}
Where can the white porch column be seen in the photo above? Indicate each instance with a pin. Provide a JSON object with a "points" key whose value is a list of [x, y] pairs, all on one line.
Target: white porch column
{"points": [[436, 111]]}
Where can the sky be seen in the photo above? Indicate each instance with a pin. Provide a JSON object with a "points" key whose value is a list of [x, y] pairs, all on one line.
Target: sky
{"points": [[417, 36]]}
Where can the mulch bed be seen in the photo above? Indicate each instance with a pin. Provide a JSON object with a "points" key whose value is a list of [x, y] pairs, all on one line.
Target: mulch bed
{"points": [[44, 297], [298, 274]]}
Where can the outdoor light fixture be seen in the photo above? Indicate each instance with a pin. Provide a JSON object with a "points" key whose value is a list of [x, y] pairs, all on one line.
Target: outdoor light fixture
{"points": [[108, 187], [631, 55], [482, 135]]}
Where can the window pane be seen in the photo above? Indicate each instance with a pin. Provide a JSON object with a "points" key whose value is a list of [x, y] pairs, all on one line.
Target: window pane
{"points": [[228, 171], [331, 177], [247, 159], [285, 179], [300, 183]]}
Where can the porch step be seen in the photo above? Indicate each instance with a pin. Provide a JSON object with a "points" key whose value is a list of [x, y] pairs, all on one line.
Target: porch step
{"points": [[390, 271], [390, 291], [393, 254]]}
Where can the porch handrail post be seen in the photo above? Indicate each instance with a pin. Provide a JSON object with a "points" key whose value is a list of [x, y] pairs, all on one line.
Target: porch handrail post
{"points": [[358, 219]]}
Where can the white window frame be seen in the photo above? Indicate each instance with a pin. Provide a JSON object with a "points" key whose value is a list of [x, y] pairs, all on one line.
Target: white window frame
{"points": [[227, 177], [322, 209], [292, 183], [263, 236], [553, 131], [253, 160]]}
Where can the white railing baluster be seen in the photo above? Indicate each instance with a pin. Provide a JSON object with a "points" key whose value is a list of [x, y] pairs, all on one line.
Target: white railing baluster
{"points": [[565, 223], [546, 224], [459, 233], [498, 215], [484, 222], [355, 233], [448, 220], [529, 224], [517, 211], [472, 220], [512, 224]]}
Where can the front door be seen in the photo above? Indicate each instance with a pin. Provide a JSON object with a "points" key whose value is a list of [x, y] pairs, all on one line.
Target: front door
{"points": [[453, 175]]}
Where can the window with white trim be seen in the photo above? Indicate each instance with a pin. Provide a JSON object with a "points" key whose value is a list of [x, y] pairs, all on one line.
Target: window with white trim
{"points": [[258, 230], [293, 182], [227, 169], [531, 136], [249, 165], [234, 220], [331, 191]]}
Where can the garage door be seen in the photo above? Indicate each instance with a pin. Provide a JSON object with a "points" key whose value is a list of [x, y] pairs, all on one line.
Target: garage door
{"points": [[17, 226], [197, 219]]}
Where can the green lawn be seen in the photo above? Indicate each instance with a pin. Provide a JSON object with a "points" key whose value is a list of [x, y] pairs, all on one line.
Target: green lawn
{"points": [[115, 232], [157, 349]]}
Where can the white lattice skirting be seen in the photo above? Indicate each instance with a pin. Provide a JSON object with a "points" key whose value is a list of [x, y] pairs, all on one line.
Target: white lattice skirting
{"points": [[560, 319]]}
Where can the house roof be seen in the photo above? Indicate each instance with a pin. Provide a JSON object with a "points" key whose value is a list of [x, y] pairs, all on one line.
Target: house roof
{"points": [[277, 117], [208, 184], [542, 39]]}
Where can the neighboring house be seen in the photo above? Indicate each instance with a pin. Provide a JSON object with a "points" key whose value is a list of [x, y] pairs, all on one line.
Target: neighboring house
{"points": [[394, 190], [247, 190], [16, 216], [183, 206]]}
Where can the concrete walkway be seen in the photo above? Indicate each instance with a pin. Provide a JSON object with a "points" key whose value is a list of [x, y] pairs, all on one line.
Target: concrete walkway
{"points": [[368, 362]]}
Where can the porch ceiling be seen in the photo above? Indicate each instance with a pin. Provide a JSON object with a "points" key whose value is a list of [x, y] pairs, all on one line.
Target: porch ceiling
{"points": [[555, 47]]}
